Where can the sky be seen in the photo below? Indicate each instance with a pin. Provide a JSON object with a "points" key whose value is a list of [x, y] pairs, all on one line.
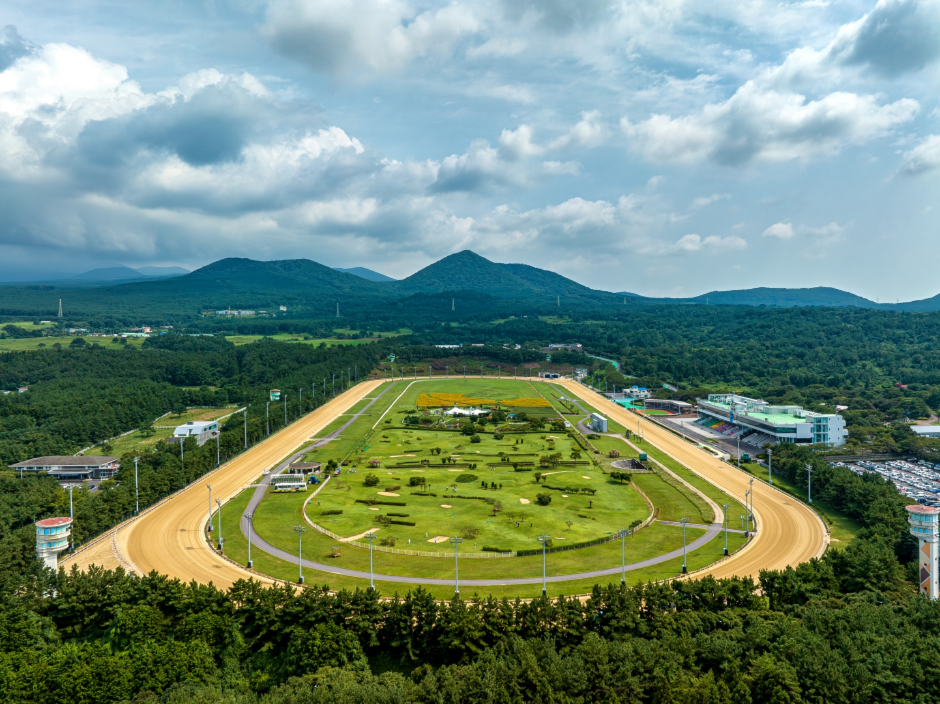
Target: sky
{"points": [[667, 148]]}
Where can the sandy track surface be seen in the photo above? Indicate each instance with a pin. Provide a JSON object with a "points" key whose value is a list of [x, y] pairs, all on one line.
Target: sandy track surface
{"points": [[168, 537], [788, 532]]}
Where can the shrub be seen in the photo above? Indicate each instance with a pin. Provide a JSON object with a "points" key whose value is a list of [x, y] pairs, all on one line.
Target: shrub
{"points": [[398, 515], [370, 480], [417, 481], [402, 523], [475, 438], [490, 548], [388, 541], [374, 502], [498, 436], [393, 488], [543, 499], [466, 478], [469, 532], [331, 512]]}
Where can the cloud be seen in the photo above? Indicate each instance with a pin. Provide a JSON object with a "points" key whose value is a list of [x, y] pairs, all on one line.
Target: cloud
{"points": [[695, 243], [517, 144], [922, 158], [12, 47], [339, 36], [705, 201], [757, 124], [780, 231]]}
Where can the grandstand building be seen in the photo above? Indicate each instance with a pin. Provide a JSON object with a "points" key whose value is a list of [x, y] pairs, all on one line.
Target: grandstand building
{"points": [[758, 422]]}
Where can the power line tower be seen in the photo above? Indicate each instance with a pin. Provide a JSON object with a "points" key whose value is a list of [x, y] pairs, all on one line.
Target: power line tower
{"points": [[60, 307], [559, 301], [337, 309]]}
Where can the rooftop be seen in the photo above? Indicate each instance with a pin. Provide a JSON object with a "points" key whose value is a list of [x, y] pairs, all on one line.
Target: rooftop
{"points": [[917, 508], [53, 522], [55, 461]]}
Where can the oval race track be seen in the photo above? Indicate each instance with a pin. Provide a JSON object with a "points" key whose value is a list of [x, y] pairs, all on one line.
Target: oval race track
{"points": [[168, 538]]}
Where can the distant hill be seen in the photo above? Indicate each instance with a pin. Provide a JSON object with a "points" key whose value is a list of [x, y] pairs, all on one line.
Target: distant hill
{"points": [[786, 297], [111, 273], [163, 270], [364, 273]]}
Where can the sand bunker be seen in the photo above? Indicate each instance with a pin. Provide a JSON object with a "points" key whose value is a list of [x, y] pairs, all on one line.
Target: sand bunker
{"points": [[419, 470], [524, 501], [564, 496], [402, 456], [438, 539], [446, 506], [560, 471], [388, 493], [584, 476], [373, 508], [454, 470]]}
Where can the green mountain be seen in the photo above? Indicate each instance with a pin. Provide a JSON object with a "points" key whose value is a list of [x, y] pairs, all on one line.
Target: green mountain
{"points": [[364, 273], [548, 282], [785, 298], [466, 271]]}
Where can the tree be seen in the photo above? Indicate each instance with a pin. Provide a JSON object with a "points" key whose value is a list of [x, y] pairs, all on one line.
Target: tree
{"points": [[78, 343], [370, 480], [543, 499]]}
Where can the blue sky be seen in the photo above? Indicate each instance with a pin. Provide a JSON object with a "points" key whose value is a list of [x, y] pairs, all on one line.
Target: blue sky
{"points": [[667, 148]]}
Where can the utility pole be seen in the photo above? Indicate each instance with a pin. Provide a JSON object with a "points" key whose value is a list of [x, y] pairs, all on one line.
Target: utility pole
{"points": [[182, 458], [136, 488], [285, 409], [249, 518], [268, 417], [337, 309], [300, 530], [543, 539], [370, 537], [809, 479], [481, 371], [623, 555], [751, 513], [452, 308], [218, 448], [455, 541], [246, 426], [210, 507], [684, 522], [747, 525], [770, 466], [725, 507], [464, 371], [218, 502], [334, 384]]}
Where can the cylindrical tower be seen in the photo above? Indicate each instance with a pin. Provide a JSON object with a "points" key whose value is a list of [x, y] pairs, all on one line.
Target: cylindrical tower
{"points": [[52, 537], [924, 526]]}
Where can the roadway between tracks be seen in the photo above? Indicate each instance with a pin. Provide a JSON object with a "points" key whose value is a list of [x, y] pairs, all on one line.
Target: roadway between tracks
{"points": [[169, 537]]}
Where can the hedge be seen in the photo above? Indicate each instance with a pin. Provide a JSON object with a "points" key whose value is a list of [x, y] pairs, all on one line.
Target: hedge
{"points": [[376, 502]]}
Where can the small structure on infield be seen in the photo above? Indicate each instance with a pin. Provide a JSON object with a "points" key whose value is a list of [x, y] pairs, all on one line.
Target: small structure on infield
{"points": [[925, 522], [275, 394], [52, 537], [598, 423]]}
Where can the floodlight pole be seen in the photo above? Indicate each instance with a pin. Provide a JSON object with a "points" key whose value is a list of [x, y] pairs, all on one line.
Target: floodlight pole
{"points": [[246, 426], [267, 417], [751, 514], [464, 371], [249, 517], [770, 466], [514, 370], [725, 507], [285, 409], [300, 530], [218, 447], [218, 502], [416, 371], [371, 537], [809, 478], [455, 541], [623, 555], [71, 506], [684, 522], [136, 488], [747, 516], [543, 539], [446, 372], [210, 506], [481, 371]]}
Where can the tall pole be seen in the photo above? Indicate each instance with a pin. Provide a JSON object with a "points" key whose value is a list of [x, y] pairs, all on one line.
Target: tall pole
{"points": [[464, 371], [725, 506], [246, 427], [455, 541], [218, 502], [210, 507], [770, 466], [416, 371], [750, 515], [684, 522], [285, 410], [71, 507], [371, 537], [809, 478], [268, 417], [334, 384], [739, 451], [300, 402], [481, 371], [249, 518], [623, 555], [747, 526], [136, 488], [543, 539], [300, 530], [218, 447], [182, 459]]}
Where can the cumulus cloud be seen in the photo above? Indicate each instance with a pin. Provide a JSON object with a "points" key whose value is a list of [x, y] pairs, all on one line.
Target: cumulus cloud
{"points": [[780, 231], [922, 158], [757, 124], [696, 243], [337, 36]]}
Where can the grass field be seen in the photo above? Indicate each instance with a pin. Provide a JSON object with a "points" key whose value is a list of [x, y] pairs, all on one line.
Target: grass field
{"points": [[289, 337], [140, 443], [38, 343]]}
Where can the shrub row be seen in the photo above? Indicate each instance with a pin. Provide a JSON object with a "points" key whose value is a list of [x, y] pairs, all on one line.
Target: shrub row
{"points": [[562, 548], [402, 523], [331, 512], [422, 493], [487, 499], [572, 489], [399, 515], [376, 502], [490, 548]]}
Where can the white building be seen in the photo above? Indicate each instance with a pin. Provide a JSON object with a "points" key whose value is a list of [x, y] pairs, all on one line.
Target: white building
{"points": [[202, 430], [598, 423], [52, 537], [927, 431], [742, 416], [63, 468]]}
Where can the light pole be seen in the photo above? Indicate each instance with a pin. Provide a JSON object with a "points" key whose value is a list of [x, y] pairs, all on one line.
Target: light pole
{"points": [[543, 539], [371, 537], [725, 507], [684, 522], [285, 409], [334, 384], [481, 371], [249, 518], [210, 507], [268, 417], [747, 516], [750, 515], [416, 371], [455, 541], [464, 371], [218, 502], [136, 488], [770, 466], [514, 370], [739, 452], [446, 372], [300, 530], [246, 426], [809, 479], [182, 458], [218, 447], [623, 555]]}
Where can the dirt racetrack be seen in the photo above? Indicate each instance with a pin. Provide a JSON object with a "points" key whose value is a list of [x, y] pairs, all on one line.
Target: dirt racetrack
{"points": [[168, 537]]}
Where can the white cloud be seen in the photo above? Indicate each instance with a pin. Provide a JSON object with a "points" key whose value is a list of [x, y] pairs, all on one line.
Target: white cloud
{"points": [[339, 36], [766, 125], [517, 144], [922, 158], [780, 231], [695, 243], [589, 132]]}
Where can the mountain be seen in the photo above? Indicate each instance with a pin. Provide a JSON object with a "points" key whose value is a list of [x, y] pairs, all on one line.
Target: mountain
{"points": [[364, 273], [785, 297], [163, 270], [557, 285], [111, 273]]}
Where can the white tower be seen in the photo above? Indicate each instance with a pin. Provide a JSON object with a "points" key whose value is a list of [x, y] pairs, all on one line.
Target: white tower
{"points": [[52, 537], [924, 527]]}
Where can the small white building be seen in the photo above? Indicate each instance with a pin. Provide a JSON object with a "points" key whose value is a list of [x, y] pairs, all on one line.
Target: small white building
{"points": [[598, 423], [52, 537], [202, 430], [927, 431], [465, 412]]}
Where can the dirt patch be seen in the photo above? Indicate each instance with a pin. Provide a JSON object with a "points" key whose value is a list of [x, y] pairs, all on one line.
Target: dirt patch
{"points": [[363, 535], [419, 470], [393, 456], [560, 471], [454, 470], [446, 506], [388, 493], [564, 496], [524, 501], [438, 539], [373, 508]]}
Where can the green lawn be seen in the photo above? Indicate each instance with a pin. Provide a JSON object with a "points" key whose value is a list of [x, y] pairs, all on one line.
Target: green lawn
{"points": [[139, 443], [842, 528], [38, 343], [298, 338]]}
